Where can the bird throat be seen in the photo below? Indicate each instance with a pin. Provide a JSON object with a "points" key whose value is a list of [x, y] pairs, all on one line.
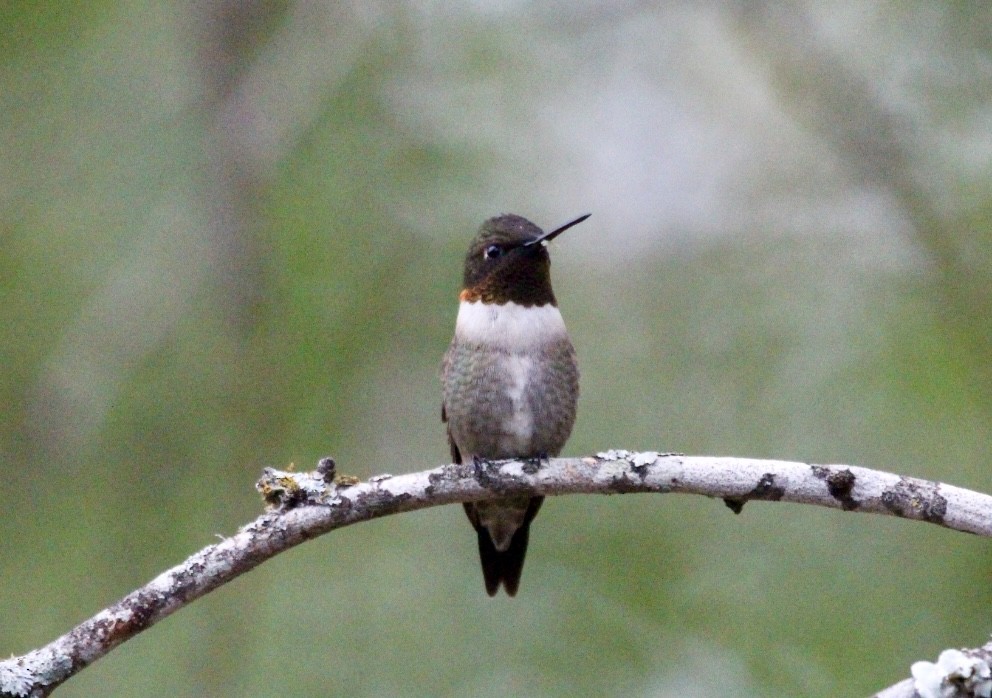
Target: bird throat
{"points": [[509, 326], [523, 284]]}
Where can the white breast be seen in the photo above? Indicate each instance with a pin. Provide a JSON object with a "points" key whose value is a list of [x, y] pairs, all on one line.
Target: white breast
{"points": [[510, 326]]}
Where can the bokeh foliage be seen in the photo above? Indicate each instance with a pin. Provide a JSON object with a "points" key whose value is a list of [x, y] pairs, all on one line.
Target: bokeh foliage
{"points": [[231, 236]]}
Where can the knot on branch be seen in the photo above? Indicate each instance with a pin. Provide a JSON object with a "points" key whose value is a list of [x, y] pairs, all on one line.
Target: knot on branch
{"points": [[919, 500], [287, 489]]}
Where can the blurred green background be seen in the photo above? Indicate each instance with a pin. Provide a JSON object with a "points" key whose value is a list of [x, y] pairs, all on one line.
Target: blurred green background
{"points": [[231, 236]]}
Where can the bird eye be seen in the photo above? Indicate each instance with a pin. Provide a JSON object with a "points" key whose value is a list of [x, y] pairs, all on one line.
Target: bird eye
{"points": [[492, 252]]}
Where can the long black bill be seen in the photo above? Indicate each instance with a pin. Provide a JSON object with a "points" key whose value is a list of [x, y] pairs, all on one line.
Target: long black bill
{"points": [[556, 232]]}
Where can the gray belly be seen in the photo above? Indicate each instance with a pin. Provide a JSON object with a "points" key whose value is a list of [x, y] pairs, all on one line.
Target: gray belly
{"points": [[502, 404]]}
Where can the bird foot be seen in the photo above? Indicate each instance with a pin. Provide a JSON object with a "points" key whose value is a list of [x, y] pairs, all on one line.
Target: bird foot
{"points": [[533, 464], [479, 466]]}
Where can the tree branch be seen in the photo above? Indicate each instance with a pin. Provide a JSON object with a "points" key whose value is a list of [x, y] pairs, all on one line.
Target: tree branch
{"points": [[957, 674], [306, 505]]}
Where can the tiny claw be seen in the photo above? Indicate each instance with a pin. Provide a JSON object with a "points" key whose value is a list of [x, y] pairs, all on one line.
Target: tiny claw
{"points": [[478, 466], [533, 464]]}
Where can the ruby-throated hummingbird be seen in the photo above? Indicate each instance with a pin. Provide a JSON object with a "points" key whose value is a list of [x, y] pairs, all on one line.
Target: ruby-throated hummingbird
{"points": [[510, 379]]}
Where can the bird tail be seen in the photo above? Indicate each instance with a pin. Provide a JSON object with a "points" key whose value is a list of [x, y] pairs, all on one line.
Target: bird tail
{"points": [[503, 567]]}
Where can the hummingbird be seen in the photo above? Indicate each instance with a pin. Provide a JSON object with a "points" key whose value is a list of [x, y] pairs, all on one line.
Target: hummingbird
{"points": [[510, 379]]}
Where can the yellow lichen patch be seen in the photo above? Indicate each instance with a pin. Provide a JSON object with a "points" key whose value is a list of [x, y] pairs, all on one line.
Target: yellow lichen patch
{"points": [[276, 489], [271, 494], [289, 484]]}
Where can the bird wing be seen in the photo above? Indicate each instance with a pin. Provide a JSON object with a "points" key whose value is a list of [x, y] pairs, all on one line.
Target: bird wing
{"points": [[456, 455]]}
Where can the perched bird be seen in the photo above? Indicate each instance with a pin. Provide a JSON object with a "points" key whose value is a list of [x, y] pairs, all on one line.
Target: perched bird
{"points": [[510, 379]]}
